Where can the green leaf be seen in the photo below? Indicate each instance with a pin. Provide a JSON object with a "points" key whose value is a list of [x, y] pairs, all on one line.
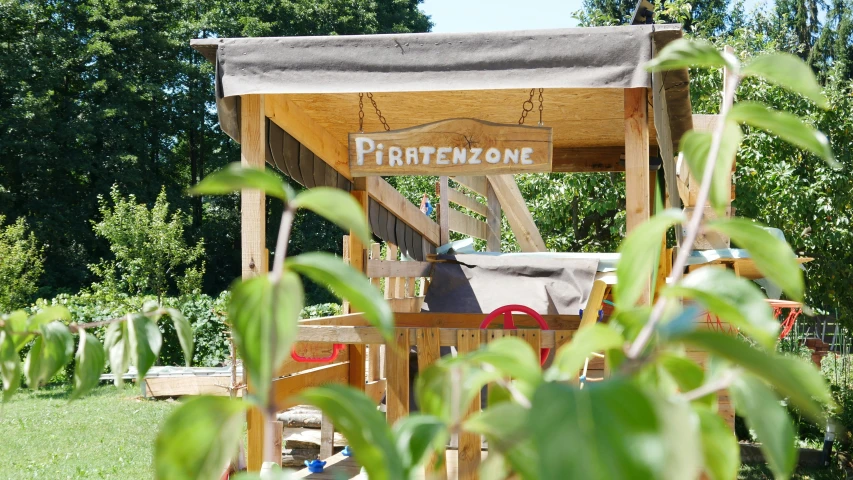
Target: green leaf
{"points": [[349, 284], [506, 428], [364, 427], [117, 343], [17, 322], [185, 333], [90, 360], [684, 53], [33, 323], [608, 430], [720, 448], [235, 177], [264, 319], [50, 352], [512, 357], [696, 147], [786, 126], [639, 255], [788, 71], [733, 299], [796, 379], [772, 256], [10, 363], [145, 341], [686, 373], [338, 207], [199, 438], [570, 359], [764, 414], [416, 436]]}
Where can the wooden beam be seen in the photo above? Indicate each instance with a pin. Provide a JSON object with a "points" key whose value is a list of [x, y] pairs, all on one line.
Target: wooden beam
{"points": [[459, 222], [285, 389], [493, 220], [637, 195], [402, 208], [429, 353], [475, 184], [459, 198], [370, 335], [397, 269], [446, 320], [253, 236], [443, 212], [636, 157], [293, 120], [517, 213]]}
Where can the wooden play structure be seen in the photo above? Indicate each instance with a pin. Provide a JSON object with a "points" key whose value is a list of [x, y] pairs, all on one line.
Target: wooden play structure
{"points": [[303, 105]]}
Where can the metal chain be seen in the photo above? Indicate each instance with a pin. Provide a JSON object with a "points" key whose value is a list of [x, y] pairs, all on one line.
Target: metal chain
{"points": [[360, 113], [540, 106], [526, 107], [378, 112]]}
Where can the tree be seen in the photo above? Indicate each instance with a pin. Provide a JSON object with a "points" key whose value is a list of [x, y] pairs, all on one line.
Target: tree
{"points": [[150, 254], [703, 18], [21, 264]]}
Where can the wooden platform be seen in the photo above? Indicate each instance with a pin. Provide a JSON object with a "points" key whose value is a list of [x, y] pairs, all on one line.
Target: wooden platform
{"points": [[340, 467]]}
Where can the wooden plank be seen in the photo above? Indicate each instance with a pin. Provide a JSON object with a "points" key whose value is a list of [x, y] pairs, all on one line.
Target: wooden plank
{"points": [[397, 380], [291, 366], [390, 280], [372, 362], [284, 389], [493, 220], [387, 268], [375, 390], [294, 120], [306, 166], [443, 212], [359, 336], [594, 303], [427, 342], [253, 235], [327, 437], [469, 443], [533, 338], [447, 320], [402, 208], [476, 184], [464, 146], [278, 430], [160, 387], [470, 226], [517, 214], [406, 305], [400, 286], [459, 198], [592, 159]]}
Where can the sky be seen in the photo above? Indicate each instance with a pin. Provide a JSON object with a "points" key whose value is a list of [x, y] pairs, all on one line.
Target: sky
{"points": [[452, 16]]}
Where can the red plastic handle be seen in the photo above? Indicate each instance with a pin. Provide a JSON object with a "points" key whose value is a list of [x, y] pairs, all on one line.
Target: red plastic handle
{"points": [[509, 324], [336, 348]]}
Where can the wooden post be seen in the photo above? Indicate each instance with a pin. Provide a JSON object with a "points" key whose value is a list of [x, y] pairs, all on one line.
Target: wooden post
{"points": [[637, 200], [278, 433], [469, 444], [493, 220], [444, 211], [358, 260], [428, 353], [327, 437], [253, 236], [397, 376]]}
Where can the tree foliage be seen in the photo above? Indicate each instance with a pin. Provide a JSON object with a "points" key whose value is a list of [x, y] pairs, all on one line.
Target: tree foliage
{"points": [[21, 264]]}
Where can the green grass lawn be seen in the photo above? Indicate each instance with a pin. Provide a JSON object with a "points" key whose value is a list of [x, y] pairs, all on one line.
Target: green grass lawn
{"points": [[108, 434]]}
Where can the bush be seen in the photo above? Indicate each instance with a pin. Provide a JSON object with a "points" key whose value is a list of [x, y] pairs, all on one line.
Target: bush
{"points": [[21, 265]]}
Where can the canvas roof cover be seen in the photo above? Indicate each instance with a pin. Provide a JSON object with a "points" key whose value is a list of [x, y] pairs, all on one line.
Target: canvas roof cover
{"points": [[595, 57]]}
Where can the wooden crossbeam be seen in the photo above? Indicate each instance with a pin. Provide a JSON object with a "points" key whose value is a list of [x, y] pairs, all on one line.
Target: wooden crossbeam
{"points": [[402, 208], [446, 320], [371, 335], [517, 214], [459, 222], [459, 198], [397, 269], [476, 184]]}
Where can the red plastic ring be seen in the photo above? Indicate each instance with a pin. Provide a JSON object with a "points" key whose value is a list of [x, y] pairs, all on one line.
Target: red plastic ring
{"points": [[509, 324], [336, 348]]}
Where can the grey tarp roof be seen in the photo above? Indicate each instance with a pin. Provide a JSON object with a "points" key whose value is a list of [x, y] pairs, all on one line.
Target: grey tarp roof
{"points": [[594, 57]]}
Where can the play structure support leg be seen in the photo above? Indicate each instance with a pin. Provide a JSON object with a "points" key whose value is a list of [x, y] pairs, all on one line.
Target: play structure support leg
{"points": [[637, 198], [493, 220], [397, 376], [428, 353], [253, 235], [469, 443]]}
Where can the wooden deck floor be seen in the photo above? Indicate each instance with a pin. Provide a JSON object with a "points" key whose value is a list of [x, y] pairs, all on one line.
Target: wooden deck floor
{"points": [[341, 467]]}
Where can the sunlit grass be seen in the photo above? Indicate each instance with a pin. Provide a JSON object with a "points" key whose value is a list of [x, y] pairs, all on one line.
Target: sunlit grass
{"points": [[108, 434]]}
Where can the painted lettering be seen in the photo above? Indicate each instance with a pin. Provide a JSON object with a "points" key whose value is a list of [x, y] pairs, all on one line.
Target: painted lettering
{"points": [[363, 145], [526, 152], [493, 155], [511, 154], [441, 156], [474, 159], [411, 155], [395, 156], [426, 151], [459, 155]]}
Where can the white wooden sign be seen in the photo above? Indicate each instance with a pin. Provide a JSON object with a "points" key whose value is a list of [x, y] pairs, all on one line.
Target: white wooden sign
{"points": [[461, 146]]}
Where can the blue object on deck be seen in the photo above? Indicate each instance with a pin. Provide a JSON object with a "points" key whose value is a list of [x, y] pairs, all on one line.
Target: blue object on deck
{"points": [[346, 451], [315, 466], [428, 207]]}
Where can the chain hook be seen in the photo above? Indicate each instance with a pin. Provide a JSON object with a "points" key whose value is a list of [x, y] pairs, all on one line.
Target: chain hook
{"points": [[540, 106], [378, 112], [360, 113], [526, 107]]}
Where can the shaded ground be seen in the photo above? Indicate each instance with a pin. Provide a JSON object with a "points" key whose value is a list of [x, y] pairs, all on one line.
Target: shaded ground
{"points": [[756, 472], [107, 435]]}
